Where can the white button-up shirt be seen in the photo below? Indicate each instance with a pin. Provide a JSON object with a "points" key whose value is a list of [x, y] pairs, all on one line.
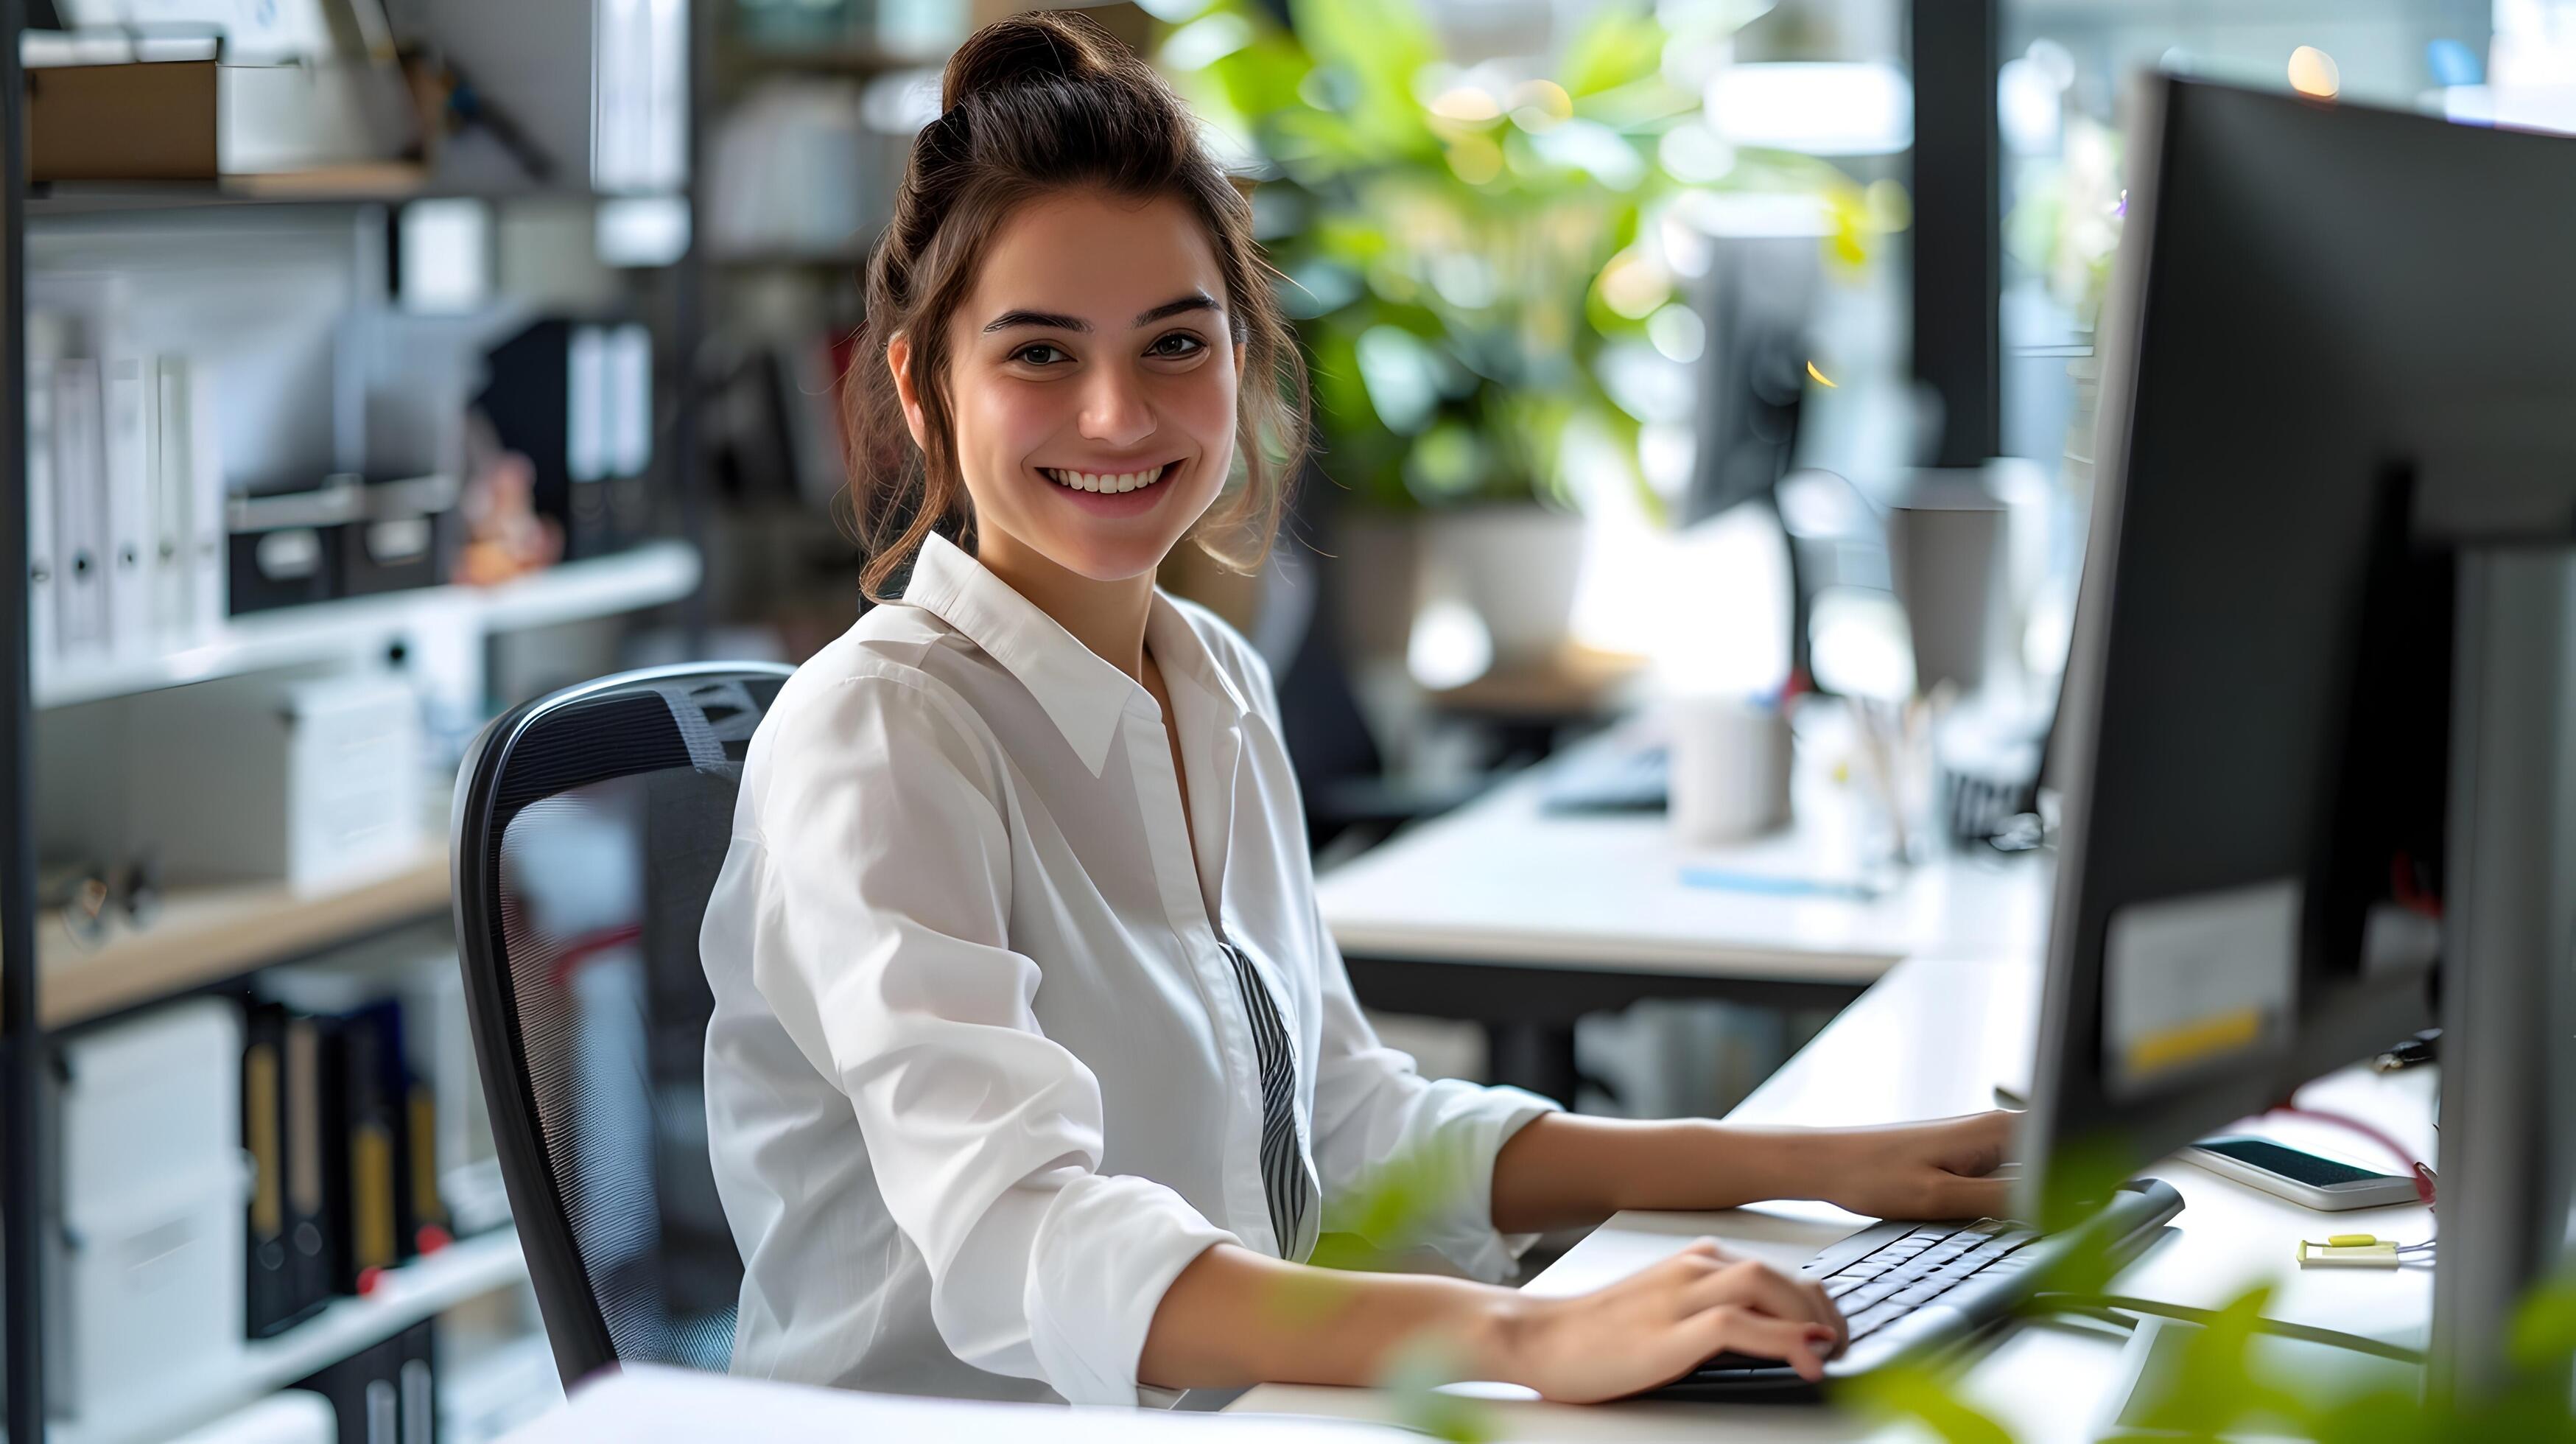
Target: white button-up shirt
{"points": [[980, 1077]]}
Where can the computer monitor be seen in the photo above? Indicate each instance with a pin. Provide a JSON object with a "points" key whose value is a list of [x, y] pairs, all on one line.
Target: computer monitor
{"points": [[1756, 304], [2341, 358]]}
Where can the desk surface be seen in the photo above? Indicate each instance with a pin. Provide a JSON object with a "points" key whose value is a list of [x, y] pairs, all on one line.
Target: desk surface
{"points": [[1504, 881], [1932, 1039]]}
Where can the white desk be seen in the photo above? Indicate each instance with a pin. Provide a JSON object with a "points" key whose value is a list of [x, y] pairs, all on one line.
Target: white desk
{"points": [[1931, 1039], [1506, 914], [654, 1404]]}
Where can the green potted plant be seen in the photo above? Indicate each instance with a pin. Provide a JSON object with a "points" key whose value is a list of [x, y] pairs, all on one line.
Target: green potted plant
{"points": [[1474, 254]]}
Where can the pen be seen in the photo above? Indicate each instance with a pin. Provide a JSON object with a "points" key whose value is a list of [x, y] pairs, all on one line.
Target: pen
{"points": [[1729, 880]]}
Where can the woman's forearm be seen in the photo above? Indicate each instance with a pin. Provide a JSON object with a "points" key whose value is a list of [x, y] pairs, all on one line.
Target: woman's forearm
{"points": [[1565, 1171], [1560, 1171], [1235, 1317]]}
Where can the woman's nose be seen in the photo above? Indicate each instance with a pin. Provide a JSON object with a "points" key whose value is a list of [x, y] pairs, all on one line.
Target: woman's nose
{"points": [[1114, 412]]}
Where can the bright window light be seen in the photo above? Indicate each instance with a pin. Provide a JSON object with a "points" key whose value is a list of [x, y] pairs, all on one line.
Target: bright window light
{"points": [[1816, 108]]}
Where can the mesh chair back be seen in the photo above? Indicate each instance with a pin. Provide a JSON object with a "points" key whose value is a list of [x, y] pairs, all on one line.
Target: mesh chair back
{"points": [[589, 828]]}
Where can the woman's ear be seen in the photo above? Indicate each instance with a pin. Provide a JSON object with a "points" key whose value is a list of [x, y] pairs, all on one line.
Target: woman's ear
{"points": [[899, 361]]}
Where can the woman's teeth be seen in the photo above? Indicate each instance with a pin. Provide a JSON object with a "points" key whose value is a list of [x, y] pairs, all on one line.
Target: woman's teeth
{"points": [[1111, 484]]}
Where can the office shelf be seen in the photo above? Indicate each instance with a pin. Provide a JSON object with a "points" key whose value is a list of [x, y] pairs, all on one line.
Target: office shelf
{"points": [[416, 1291], [206, 934], [342, 184], [644, 576], [388, 182]]}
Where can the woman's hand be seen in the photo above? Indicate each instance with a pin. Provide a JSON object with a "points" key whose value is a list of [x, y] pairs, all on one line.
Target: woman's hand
{"points": [[1661, 1322], [1942, 1169]]}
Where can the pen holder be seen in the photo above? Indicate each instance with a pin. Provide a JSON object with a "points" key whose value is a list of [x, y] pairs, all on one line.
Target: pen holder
{"points": [[1730, 769]]}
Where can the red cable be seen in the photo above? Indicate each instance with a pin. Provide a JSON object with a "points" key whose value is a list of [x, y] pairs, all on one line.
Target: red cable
{"points": [[2421, 1175]]}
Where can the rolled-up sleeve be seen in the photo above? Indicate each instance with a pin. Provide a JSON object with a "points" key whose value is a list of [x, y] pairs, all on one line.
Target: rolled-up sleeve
{"points": [[1379, 1125], [882, 945]]}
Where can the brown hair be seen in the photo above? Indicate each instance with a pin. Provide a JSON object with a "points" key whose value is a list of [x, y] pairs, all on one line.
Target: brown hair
{"points": [[1036, 104]]}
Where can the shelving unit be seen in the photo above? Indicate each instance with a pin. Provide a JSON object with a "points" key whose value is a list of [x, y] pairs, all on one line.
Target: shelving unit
{"points": [[402, 1297], [22, 1037], [208, 935], [374, 184], [646, 576], [392, 181]]}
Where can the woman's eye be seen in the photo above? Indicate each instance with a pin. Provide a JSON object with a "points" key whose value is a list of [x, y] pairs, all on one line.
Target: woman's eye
{"points": [[1179, 343], [1040, 353]]}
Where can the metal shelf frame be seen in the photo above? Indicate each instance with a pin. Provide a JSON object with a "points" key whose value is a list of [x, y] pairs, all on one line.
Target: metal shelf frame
{"points": [[25, 1041], [22, 1034]]}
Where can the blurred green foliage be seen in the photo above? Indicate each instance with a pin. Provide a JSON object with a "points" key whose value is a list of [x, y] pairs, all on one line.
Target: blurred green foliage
{"points": [[1460, 249], [1389, 1215], [2227, 1384]]}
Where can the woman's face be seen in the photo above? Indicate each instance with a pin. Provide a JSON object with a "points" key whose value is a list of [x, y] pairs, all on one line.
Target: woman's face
{"points": [[1092, 381]]}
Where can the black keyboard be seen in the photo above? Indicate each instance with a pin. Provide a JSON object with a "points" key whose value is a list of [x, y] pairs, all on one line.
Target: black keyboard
{"points": [[1916, 1267], [1607, 781], [1908, 1290]]}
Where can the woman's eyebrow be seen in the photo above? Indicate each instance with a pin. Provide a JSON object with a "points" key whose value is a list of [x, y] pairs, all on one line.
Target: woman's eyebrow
{"points": [[1194, 301], [1008, 319]]}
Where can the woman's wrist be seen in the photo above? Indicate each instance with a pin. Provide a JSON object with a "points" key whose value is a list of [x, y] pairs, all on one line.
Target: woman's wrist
{"points": [[1759, 1164], [1503, 1336]]}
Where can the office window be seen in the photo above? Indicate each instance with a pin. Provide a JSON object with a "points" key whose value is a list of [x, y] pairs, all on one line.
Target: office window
{"points": [[2060, 103]]}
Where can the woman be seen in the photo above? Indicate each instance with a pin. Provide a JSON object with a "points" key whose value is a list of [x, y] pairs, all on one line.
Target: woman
{"points": [[1033, 1070]]}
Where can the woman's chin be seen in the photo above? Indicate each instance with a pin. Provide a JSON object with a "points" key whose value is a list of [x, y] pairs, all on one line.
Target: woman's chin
{"points": [[1105, 559], [1113, 548]]}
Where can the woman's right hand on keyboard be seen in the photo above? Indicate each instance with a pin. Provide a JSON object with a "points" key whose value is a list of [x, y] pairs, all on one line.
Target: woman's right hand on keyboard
{"points": [[1661, 1322]]}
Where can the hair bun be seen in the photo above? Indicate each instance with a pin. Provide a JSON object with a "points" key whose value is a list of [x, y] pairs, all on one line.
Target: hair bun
{"points": [[1030, 49]]}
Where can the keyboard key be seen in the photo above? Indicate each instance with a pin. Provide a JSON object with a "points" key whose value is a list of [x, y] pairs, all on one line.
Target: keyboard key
{"points": [[1959, 1268], [1916, 1295], [1869, 1319], [1836, 1288], [1868, 1268], [1985, 1254], [1868, 1294]]}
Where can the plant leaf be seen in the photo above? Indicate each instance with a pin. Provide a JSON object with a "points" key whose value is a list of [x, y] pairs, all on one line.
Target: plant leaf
{"points": [[1925, 1398]]}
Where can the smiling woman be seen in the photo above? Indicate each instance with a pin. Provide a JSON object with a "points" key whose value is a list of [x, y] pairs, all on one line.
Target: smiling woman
{"points": [[1082, 352], [1033, 1071]]}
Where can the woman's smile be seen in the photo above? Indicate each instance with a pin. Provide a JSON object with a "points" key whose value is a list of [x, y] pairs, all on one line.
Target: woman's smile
{"points": [[1131, 491]]}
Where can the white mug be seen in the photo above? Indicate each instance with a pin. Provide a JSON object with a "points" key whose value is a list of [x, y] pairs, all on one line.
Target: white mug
{"points": [[1730, 769]]}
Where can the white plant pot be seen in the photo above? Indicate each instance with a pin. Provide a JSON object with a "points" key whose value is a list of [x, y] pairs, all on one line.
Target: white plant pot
{"points": [[1516, 566]]}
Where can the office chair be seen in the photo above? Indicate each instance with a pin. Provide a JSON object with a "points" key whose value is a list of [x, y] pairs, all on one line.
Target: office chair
{"points": [[1341, 770], [588, 830]]}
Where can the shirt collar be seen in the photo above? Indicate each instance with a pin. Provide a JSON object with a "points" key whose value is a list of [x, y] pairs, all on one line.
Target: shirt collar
{"points": [[1080, 691]]}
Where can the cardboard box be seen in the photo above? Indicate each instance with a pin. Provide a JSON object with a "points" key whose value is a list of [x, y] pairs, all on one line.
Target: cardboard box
{"points": [[198, 120]]}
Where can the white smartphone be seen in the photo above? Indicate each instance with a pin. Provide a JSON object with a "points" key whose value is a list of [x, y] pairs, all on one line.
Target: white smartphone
{"points": [[2302, 1178]]}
